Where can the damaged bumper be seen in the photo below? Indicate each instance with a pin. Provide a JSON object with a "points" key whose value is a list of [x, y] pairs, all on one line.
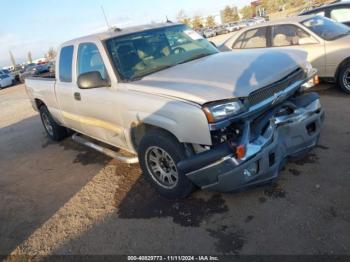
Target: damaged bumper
{"points": [[284, 136]]}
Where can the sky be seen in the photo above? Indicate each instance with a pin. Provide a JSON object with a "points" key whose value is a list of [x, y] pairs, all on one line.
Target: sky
{"points": [[37, 25]]}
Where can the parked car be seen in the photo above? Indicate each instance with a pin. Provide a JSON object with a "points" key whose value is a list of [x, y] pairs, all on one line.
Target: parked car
{"points": [[52, 66], [339, 11], [33, 70], [259, 19], [232, 27], [195, 118], [7, 77], [6, 80], [327, 43], [220, 30], [207, 33]]}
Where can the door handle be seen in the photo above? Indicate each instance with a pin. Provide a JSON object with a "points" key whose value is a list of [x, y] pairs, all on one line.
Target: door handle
{"points": [[77, 96]]}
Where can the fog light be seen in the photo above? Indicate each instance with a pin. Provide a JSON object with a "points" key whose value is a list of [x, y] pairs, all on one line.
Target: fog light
{"points": [[251, 170]]}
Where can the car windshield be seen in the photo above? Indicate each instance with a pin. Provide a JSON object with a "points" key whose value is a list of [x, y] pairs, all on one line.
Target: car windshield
{"points": [[326, 28], [142, 53]]}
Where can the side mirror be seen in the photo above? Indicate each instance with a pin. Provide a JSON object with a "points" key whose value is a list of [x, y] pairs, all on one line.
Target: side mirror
{"points": [[307, 41], [91, 80]]}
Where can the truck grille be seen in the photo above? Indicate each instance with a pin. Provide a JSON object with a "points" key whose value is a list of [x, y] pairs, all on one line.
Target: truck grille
{"points": [[268, 91]]}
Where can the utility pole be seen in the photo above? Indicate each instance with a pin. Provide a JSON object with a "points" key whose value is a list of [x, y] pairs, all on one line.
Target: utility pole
{"points": [[30, 60], [12, 59]]}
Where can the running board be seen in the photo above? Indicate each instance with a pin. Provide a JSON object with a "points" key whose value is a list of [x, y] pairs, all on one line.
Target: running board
{"points": [[104, 150]]}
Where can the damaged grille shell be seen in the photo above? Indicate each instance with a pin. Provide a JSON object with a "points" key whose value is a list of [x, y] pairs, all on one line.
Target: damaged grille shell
{"points": [[269, 91]]}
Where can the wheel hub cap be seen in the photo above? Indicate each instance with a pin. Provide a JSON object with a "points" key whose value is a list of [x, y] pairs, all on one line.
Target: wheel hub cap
{"points": [[161, 167]]}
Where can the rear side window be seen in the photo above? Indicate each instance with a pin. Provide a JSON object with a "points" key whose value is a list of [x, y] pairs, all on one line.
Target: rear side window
{"points": [[255, 38], [65, 67], [287, 35], [341, 15]]}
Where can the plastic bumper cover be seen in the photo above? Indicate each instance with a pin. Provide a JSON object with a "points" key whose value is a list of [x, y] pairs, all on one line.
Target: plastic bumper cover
{"points": [[285, 136]]}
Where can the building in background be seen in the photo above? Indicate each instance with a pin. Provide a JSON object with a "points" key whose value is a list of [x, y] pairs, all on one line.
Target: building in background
{"points": [[258, 8]]}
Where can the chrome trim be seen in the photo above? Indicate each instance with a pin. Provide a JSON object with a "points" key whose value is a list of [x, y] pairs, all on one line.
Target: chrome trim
{"points": [[284, 93]]}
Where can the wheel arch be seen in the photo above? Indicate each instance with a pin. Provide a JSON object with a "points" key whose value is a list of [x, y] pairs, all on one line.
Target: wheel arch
{"points": [[138, 131], [39, 103], [337, 72]]}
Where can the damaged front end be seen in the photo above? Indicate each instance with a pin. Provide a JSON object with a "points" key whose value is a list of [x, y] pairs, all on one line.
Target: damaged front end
{"points": [[251, 148]]}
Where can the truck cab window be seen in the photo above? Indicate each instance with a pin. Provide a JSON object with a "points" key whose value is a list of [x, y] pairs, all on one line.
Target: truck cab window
{"points": [[90, 60], [65, 67]]}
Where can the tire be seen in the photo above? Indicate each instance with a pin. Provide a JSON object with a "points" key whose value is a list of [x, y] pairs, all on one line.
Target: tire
{"points": [[53, 130], [156, 164], [344, 78]]}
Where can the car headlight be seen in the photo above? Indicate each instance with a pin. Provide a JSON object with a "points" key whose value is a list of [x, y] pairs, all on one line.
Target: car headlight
{"points": [[220, 110]]}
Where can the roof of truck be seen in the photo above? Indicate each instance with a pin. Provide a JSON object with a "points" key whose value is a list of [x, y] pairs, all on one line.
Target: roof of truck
{"points": [[114, 32]]}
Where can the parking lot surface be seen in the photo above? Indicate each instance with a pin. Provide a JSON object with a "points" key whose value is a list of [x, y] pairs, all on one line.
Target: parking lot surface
{"points": [[63, 198]]}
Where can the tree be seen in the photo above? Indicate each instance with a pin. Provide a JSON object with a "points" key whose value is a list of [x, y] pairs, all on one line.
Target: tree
{"points": [[230, 14], [51, 54], [183, 18], [197, 23], [30, 59], [247, 12], [210, 21]]}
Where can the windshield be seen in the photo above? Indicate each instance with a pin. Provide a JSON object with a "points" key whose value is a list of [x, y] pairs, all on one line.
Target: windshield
{"points": [[326, 28], [139, 54]]}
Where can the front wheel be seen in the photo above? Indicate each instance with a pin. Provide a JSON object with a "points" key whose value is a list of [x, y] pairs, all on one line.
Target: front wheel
{"points": [[53, 130], [159, 153], [344, 78]]}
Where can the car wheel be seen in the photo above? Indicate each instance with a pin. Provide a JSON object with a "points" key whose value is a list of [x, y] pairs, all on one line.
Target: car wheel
{"points": [[344, 78], [53, 130], [159, 152]]}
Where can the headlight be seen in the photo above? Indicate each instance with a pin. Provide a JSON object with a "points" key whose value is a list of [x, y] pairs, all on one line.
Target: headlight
{"points": [[220, 110]]}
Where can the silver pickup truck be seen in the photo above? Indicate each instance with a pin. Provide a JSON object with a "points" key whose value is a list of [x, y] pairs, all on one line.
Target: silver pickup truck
{"points": [[194, 117]]}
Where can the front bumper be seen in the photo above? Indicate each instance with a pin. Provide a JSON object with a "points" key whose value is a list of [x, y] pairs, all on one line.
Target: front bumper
{"points": [[285, 136]]}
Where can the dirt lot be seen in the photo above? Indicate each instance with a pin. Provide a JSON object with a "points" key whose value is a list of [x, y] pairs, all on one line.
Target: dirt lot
{"points": [[66, 199]]}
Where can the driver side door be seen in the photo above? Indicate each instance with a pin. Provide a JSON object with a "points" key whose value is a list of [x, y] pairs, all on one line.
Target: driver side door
{"points": [[99, 111]]}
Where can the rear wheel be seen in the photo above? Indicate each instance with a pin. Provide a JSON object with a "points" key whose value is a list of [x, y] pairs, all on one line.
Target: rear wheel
{"points": [[53, 130], [159, 153], [344, 78]]}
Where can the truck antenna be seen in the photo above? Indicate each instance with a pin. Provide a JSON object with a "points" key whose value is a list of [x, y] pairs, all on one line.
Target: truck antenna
{"points": [[106, 20]]}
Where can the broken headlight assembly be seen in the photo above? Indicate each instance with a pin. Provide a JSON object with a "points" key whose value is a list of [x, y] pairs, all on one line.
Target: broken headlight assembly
{"points": [[220, 110]]}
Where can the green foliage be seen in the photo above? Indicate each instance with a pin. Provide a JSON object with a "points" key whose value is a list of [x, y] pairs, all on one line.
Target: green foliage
{"points": [[197, 23], [210, 21], [230, 15], [183, 18], [247, 12]]}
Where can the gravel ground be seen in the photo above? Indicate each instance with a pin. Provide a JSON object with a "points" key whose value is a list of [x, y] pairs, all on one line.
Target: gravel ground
{"points": [[63, 198]]}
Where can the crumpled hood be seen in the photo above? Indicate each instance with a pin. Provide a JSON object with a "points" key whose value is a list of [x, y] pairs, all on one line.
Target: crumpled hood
{"points": [[223, 75]]}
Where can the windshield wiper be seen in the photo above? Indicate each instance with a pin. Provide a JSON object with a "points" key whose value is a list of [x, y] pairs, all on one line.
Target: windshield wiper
{"points": [[195, 57]]}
